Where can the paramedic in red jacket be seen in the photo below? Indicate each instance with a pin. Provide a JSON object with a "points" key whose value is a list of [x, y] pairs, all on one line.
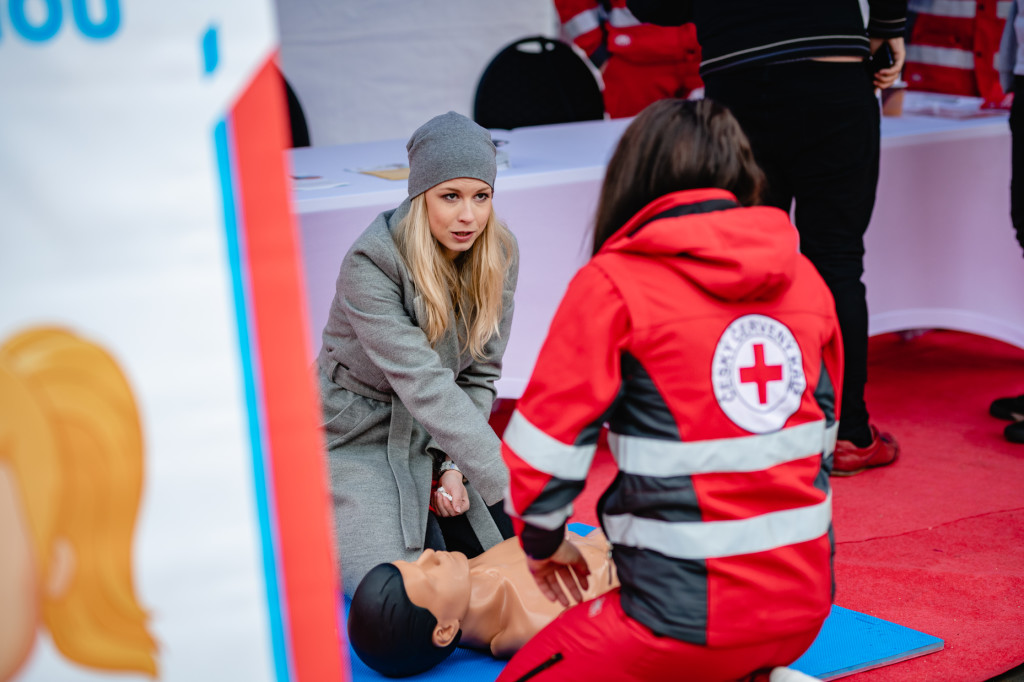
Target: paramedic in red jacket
{"points": [[711, 348], [640, 63], [953, 45]]}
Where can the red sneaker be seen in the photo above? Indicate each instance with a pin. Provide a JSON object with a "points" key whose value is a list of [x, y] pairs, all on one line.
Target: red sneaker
{"points": [[850, 460]]}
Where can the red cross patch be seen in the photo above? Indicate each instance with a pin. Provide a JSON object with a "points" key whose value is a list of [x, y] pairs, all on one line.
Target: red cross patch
{"points": [[757, 373]]}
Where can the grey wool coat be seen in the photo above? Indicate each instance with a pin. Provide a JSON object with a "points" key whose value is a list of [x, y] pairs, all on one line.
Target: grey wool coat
{"points": [[392, 403]]}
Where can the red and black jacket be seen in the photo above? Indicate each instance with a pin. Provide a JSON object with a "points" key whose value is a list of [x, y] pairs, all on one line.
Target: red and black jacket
{"points": [[710, 347]]}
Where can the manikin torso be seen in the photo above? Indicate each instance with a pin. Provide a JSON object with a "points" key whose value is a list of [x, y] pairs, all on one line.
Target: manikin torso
{"points": [[506, 608]]}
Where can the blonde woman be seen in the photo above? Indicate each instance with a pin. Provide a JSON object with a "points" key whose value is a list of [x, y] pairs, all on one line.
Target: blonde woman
{"points": [[410, 354], [70, 480]]}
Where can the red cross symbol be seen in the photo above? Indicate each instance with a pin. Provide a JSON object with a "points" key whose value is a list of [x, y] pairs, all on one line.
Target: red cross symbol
{"points": [[761, 373]]}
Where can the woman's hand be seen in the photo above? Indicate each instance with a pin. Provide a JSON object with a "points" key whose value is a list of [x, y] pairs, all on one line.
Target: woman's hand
{"points": [[886, 77], [451, 498], [566, 563]]}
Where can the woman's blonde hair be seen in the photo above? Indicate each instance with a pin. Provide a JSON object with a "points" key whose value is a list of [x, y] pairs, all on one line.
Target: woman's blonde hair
{"points": [[69, 430], [470, 286]]}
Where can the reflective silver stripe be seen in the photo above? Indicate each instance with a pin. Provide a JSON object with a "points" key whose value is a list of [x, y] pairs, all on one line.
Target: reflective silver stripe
{"points": [[940, 56], [621, 17], [1003, 8], [957, 9], [551, 520], [831, 436], [713, 539], [584, 22], [653, 457], [546, 454]]}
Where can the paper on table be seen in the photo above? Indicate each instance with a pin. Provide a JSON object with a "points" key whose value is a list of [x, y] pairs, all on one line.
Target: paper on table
{"points": [[315, 182], [391, 171]]}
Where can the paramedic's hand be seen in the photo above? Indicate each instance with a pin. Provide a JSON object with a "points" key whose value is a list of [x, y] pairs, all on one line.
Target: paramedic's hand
{"points": [[451, 484], [566, 563], [887, 77]]}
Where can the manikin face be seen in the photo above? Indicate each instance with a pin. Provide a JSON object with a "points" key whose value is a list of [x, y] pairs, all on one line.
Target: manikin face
{"points": [[438, 582], [458, 211], [19, 588]]}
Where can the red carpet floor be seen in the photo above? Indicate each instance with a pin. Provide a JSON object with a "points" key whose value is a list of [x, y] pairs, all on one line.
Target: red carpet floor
{"points": [[936, 541]]}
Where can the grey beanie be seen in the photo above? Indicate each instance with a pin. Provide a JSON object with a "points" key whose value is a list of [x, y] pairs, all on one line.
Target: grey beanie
{"points": [[449, 146]]}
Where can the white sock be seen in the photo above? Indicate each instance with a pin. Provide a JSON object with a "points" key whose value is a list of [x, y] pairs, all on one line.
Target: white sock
{"points": [[790, 675]]}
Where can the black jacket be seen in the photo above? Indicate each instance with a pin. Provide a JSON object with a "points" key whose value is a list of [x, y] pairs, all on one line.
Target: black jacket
{"points": [[738, 33]]}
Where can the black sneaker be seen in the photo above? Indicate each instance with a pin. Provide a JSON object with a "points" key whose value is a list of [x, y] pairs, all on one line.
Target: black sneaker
{"points": [[1015, 432], [1010, 409]]}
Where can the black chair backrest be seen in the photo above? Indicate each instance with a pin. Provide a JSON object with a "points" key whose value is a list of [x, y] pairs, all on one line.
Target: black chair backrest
{"points": [[536, 81], [296, 117], [300, 133]]}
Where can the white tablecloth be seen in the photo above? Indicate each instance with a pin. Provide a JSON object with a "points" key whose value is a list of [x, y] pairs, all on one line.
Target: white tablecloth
{"points": [[940, 249]]}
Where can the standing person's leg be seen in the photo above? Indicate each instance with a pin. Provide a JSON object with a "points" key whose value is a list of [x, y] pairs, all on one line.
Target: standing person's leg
{"points": [[1017, 158], [814, 128], [766, 119], [1013, 407], [835, 183]]}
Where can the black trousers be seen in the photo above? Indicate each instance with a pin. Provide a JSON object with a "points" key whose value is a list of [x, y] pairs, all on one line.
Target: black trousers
{"points": [[814, 128], [454, 534], [1017, 159]]}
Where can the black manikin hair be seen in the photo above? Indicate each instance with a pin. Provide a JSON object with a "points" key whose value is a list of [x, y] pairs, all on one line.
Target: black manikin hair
{"points": [[387, 631]]}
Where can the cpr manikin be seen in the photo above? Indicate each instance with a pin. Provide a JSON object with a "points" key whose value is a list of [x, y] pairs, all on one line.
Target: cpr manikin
{"points": [[406, 617]]}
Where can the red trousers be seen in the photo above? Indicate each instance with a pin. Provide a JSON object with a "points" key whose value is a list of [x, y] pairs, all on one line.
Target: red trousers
{"points": [[596, 640]]}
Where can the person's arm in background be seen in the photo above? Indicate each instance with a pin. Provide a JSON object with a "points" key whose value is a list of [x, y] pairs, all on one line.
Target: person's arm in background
{"points": [[583, 24], [887, 22], [662, 12], [550, 441]]}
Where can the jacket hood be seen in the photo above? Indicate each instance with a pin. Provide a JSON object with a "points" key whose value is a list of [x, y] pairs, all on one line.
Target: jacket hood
{"points": [[734, 253]]}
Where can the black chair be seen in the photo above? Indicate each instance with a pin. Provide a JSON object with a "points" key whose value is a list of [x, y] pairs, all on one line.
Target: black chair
{"points": [[536, 81], [296, 117]]}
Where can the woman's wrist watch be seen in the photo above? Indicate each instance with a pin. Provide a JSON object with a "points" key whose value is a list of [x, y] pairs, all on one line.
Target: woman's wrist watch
{"points": [[448, 465]]}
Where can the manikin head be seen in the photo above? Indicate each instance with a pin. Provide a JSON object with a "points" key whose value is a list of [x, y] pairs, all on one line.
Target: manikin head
{"points": [[405, 617]]}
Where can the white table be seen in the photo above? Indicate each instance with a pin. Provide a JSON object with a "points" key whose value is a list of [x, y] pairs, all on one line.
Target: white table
{"points": [[941, 251]]}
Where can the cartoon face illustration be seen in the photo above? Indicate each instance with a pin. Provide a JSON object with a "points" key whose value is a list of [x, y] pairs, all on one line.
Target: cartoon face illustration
{"points": [[71, 465]]}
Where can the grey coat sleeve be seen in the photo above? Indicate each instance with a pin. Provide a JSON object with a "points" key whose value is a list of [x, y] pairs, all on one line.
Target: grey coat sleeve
{"points": [[373, 303]]}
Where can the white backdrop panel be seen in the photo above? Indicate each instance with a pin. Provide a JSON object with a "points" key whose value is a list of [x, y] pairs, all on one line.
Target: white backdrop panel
{"points": [[376, 69]]}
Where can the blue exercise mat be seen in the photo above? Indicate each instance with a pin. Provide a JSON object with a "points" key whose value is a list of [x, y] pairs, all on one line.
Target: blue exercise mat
{"points": [[849, 642], [852, 642]]}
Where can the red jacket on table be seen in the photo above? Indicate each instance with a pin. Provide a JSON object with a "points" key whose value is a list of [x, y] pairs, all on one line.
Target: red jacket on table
{"points": [[711, 348], [953, 46], [585, 23], [642, 63]]}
